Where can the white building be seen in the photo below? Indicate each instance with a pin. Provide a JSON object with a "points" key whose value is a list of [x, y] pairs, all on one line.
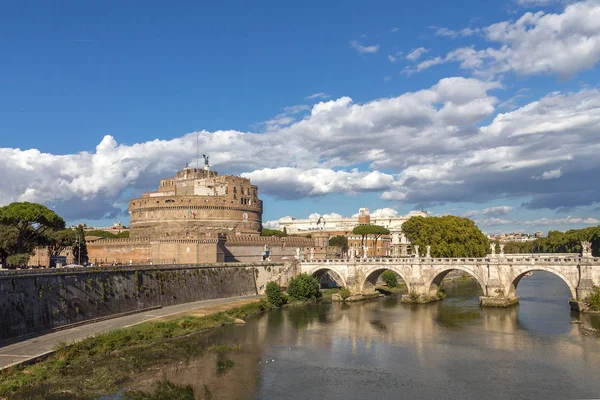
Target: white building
{"points": [[295, 226]]}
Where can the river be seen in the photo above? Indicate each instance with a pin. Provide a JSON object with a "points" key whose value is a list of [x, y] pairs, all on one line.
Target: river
{"points": [[384, 349]]}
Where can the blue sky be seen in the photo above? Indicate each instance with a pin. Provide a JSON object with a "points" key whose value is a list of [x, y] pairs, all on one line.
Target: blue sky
{"points": [[489, 110]]}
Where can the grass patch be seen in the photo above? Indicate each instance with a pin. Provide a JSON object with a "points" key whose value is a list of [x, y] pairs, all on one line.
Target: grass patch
{"points": [[97, 365], [400, 288], [329, 292]]}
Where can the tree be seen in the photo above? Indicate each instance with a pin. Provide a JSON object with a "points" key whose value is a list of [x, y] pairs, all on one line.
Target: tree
{"points": [[559, 242], [80, 248], [339, 241], [285, 231], [390, 278], [8, 242], [448, 236], [31, 220], [304, 287], [58, 240], [275, 295], [370, 230], [272, 232]]}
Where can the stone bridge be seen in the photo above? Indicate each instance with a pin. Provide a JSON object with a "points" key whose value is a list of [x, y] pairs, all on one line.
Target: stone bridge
{"points": [[497, 274]]}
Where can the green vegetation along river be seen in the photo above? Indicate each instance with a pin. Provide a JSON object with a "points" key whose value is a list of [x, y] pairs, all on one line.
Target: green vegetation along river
{"points": [[384, 349]]}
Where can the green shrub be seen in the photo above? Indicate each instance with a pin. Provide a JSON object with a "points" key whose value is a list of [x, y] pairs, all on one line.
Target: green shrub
{"points": [[275, 295], [593, 300], [390, 278], [345, 293], [304, 287]]}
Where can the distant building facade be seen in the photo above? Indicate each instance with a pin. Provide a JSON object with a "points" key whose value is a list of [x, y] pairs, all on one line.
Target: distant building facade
{"points": [[395, 244]]}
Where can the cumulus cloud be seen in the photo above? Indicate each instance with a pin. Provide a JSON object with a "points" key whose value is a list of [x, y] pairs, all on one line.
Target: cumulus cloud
{"points": [[416, 53], [536, 43], [364, 49], [431, 146], [273, 224], [384, 213], [294, 182], [554, 174], [316, 216]]}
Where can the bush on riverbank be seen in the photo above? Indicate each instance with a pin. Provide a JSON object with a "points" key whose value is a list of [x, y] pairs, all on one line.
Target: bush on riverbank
{"points": [[593, 300], [345, 293], [275, 295], [304, 287], [390, 278]]}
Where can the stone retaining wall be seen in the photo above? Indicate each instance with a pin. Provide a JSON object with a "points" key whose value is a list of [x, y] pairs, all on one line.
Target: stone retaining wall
{"points": [[36, 301]]}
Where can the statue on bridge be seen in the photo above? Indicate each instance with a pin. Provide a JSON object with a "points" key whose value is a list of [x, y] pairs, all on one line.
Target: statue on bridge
{"points": [[428, 248], [502, 249], [416, 248], [586, 249], [493, 249]]}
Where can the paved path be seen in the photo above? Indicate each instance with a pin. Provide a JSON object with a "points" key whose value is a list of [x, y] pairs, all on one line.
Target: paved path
{"points": [[38, 346]]}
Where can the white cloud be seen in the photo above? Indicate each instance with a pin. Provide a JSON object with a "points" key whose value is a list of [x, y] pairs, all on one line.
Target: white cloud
{"points": [[454, 34], [534, 3], [295, 182], [493, 222], [394, 30], [316, 216], [319, 95], [553, 174], [435, 145], [384, 213], [364, 49], [537, 43], [562, 221], [273, 224], [395, 57], [416, 53], [492, 211]]}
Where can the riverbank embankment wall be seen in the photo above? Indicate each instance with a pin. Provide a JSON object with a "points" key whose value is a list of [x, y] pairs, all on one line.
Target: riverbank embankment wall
{"points": [[35, 301]]}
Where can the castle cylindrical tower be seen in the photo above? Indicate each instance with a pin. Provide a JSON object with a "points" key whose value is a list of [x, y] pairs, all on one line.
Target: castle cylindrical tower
{"points": [[196, 202]]}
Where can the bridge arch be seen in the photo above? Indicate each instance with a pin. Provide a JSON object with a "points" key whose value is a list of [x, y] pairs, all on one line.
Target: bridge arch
{"points": [[372, 275], [520, 272], [439, 274], [320, 272]]}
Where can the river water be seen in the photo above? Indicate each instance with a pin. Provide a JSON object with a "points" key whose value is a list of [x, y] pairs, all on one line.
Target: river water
{"points": [[384, 349]]}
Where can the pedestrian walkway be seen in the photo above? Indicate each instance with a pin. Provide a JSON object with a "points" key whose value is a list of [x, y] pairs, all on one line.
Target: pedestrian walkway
{"points": [[28, 349]]}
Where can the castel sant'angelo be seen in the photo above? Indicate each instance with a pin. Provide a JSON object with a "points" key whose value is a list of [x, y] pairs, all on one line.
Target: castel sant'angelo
{"points": [[198, 216], [194, 203]]}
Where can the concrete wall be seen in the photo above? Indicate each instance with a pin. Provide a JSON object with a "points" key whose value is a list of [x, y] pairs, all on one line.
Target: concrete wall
{"points": [[35, 301]]}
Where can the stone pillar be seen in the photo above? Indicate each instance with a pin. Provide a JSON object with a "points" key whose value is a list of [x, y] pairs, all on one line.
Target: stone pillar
{"points": [[586, 280]]}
